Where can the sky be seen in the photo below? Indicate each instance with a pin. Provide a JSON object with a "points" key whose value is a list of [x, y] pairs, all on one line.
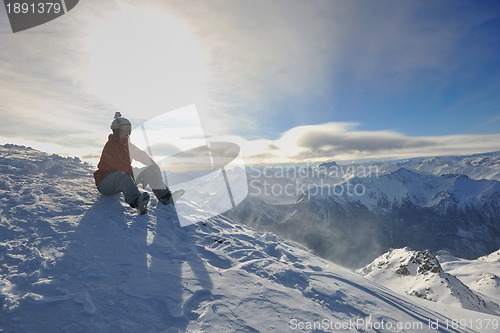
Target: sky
{"points": [[288, 81]]}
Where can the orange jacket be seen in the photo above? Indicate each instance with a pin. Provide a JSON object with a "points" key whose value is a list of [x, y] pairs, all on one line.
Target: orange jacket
{"points": [[117, 155]]}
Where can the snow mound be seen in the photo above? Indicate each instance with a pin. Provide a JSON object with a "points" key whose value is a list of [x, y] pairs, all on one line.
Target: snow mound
{"points": [[493, 257], [481, 275], [419, 273], [72, 260], [488, 283]]}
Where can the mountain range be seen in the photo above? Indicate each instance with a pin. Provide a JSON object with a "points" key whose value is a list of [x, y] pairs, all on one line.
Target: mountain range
{"points": [[352, 214]]}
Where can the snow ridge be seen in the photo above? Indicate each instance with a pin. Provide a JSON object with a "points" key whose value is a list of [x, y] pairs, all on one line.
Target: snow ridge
{"points": [[407, 186], [477, 166]]}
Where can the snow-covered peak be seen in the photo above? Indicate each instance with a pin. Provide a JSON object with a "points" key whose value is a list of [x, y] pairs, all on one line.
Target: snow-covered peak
{"points": [[419, 274], [478, 166], [327, 165], [493, 257], [22, 160], [404, 262], [408, 186]]}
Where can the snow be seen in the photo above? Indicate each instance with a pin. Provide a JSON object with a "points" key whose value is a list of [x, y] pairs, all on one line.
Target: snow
{"points": [[481, 275], [355, 220], [72, 260], [439, 278]]}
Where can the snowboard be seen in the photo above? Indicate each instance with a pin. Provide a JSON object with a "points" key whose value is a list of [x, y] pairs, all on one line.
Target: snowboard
{"points": [[175, 196], [143, 204]]}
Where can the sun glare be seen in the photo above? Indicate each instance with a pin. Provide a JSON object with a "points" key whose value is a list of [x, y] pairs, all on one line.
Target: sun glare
{"points": [[144, 62]]}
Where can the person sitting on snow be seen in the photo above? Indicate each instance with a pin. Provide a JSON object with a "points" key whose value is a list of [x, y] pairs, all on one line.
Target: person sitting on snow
{"points": [[115, 174]]}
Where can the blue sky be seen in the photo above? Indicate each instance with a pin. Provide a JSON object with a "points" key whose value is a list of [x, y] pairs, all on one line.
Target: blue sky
{"points": [[289, 81]]}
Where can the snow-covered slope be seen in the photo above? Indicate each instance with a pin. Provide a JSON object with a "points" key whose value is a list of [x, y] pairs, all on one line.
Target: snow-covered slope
{"points": [[481, 275], [74, 261], [419, 273]]}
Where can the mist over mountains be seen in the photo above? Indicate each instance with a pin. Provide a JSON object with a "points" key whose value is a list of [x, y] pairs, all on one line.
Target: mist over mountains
{"points": [[352, 214]]}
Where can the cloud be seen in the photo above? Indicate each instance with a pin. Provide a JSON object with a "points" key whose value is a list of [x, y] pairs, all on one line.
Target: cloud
{"points": [[342, 141], [164, 149], [489, 121], [341, 138]]}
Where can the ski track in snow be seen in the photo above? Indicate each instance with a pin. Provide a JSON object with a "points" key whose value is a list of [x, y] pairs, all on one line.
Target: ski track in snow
{"points": [[72, 260]]}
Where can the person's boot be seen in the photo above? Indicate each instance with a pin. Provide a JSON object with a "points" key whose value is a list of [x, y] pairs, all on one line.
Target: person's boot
{"points": [[166, 198], [170, 198], [141, 203]]}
